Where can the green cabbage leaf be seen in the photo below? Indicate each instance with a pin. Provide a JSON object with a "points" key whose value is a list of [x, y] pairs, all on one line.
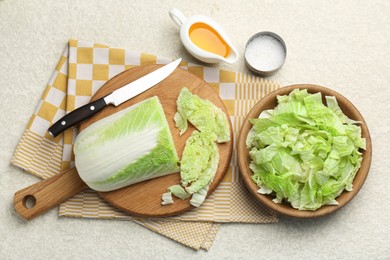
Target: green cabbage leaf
{"points": [[199, 161], [201, 113]]}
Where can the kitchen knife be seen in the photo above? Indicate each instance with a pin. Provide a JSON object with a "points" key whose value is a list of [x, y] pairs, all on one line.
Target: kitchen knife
{"points": [[115, 98]]}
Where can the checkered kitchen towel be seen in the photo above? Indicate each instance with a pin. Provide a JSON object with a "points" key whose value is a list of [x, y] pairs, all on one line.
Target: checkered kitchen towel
{"points": [[83, 68]]}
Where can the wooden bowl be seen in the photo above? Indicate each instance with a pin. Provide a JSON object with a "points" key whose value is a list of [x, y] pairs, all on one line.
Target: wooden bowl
{"points": [[284, 208]]}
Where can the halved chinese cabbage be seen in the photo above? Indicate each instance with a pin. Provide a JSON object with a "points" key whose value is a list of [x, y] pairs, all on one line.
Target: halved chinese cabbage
{"points": [[130, 146]]}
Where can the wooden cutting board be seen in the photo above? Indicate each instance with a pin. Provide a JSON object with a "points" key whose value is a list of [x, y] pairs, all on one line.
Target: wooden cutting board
{"points": [[142, 199]]}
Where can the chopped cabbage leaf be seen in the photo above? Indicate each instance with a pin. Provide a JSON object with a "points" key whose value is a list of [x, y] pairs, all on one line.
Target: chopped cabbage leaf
{"points": [[200, 196], [201, 113], [179, 191], [167, 199], [199, 162]]}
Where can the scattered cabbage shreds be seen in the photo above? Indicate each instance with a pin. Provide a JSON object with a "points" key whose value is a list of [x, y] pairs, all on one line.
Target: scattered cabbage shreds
{"points": [[200, 157], [201, 113], [199, 164], [303, 151], [132, 145]]}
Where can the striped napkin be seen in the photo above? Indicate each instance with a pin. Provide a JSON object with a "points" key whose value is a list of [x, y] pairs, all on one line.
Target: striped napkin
{"points": [[83, 68]]}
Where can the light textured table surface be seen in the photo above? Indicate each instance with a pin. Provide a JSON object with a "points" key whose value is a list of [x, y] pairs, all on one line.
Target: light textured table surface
{"points": [[344, 45]]}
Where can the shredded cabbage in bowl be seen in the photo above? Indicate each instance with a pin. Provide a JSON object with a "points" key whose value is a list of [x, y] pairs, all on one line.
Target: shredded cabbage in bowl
{"points": [[303, 151]]}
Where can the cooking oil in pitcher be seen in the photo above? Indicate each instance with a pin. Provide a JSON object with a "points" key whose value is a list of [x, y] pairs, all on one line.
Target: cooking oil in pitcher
{"points": [[205, 37]]}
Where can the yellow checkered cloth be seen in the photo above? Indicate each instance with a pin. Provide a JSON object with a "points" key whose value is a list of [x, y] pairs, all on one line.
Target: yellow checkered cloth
{"points": [[83, 68]]}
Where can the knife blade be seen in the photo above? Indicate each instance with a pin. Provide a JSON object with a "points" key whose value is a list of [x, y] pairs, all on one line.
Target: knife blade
{"points": [[116, 98]]}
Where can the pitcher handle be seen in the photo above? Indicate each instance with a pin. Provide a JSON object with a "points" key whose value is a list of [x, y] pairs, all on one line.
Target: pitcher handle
{"points": [[177, 16]]}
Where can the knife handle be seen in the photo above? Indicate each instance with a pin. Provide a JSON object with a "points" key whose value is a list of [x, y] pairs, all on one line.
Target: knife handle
{"points": [[76, 116]]}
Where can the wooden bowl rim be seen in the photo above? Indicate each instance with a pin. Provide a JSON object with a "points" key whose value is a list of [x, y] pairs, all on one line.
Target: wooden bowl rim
{"points": [[285, 208]]}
